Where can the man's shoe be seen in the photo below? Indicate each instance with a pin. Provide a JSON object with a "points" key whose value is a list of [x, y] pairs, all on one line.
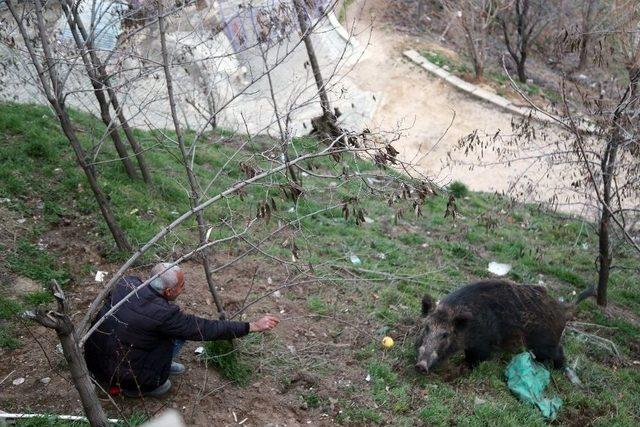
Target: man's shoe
{"points": [[163, 389], [177, 368]]}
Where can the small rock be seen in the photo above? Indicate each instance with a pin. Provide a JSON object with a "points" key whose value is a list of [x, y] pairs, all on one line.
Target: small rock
{"points": [[18, 381], [277, 294], [45, 380]]}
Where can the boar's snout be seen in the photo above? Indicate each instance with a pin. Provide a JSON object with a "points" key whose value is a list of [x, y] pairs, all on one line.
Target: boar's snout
{"points": [[422, 366]]}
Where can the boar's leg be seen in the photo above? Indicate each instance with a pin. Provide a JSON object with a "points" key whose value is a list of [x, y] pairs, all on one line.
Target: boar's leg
{"points": [[550, 353], [475, 355]]}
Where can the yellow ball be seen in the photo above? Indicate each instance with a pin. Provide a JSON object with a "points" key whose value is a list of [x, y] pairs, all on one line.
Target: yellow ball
{"points": [[387, 342]]}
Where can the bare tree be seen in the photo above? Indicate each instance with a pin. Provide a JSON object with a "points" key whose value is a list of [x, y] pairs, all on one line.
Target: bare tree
{"points": [[588, 16], [474, 20], [193, 184], [53, 88], [522, 22], [313, 59], [97, 74]]}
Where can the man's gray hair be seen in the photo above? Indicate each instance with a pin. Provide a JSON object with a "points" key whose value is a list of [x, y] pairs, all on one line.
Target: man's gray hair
{"points": [[167, 280]]}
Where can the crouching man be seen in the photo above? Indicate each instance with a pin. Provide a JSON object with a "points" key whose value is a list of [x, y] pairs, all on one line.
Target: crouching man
{"points": [[134, 348]]}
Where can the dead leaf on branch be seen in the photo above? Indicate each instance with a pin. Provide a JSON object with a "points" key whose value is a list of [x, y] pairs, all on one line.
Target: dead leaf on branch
{"points": [[292, 191]]}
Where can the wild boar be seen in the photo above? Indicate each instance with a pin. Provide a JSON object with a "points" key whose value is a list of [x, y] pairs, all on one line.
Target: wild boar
{"points": [[491, 315]]}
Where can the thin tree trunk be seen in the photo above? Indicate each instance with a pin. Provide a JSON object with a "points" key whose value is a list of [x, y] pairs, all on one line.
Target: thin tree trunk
{"points": [[193, 184], [85, 45], [142, 164], [60, 322], [112, 130], [54, 96], [313, 60], [103, 203], [80, 374], [420, 13], [586, 35], [604, 256], [608, 167], [105, 115], [475, 51], [522, 75], [283, 137]]}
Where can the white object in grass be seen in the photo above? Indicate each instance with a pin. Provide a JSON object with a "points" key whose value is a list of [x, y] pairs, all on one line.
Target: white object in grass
{"points": [[499, 269]]}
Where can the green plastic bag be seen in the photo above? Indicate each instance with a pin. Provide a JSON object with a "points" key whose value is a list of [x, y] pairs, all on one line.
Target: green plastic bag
{"points": [[527, 379]]}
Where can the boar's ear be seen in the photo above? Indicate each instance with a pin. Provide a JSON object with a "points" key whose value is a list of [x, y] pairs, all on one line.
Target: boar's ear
{"points": [[461, 320], [427, 304]]}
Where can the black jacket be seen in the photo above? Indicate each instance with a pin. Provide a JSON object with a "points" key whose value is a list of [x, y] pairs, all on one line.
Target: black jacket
{"points": [[133, 347]]}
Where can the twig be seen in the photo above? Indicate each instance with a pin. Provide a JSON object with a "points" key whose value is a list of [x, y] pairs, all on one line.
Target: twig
{"points": [[5, 378], [599, 341]]}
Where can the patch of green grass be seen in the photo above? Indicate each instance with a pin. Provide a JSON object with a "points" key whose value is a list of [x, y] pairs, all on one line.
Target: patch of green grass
{"points": [[552, 95], [49, 421], [38, 298], [8, 310], [224, 357], [498, 77], [30, 261], [316, 305], [312, 399], [444, 62], [359, 416]]}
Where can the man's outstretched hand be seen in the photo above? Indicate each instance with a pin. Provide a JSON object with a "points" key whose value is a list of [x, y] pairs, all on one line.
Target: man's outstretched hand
{"points": [[263, 324]]}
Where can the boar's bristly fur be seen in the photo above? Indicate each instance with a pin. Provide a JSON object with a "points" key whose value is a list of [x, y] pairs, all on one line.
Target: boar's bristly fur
{"points": [[491, 315]]}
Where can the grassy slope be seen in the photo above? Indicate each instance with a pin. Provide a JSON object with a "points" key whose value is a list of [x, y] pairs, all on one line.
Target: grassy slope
{"points": [[432, 253]]}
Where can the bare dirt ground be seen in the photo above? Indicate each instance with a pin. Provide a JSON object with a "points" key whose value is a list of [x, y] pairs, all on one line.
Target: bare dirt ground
{"points": [[432, 115]]}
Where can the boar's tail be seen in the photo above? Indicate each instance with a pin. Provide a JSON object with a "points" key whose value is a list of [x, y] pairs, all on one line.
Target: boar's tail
{"points": [[587, 293], [571, 307]]}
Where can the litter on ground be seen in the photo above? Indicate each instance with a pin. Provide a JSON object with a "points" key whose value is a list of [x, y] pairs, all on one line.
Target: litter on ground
{"points": [[527, 379]]}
